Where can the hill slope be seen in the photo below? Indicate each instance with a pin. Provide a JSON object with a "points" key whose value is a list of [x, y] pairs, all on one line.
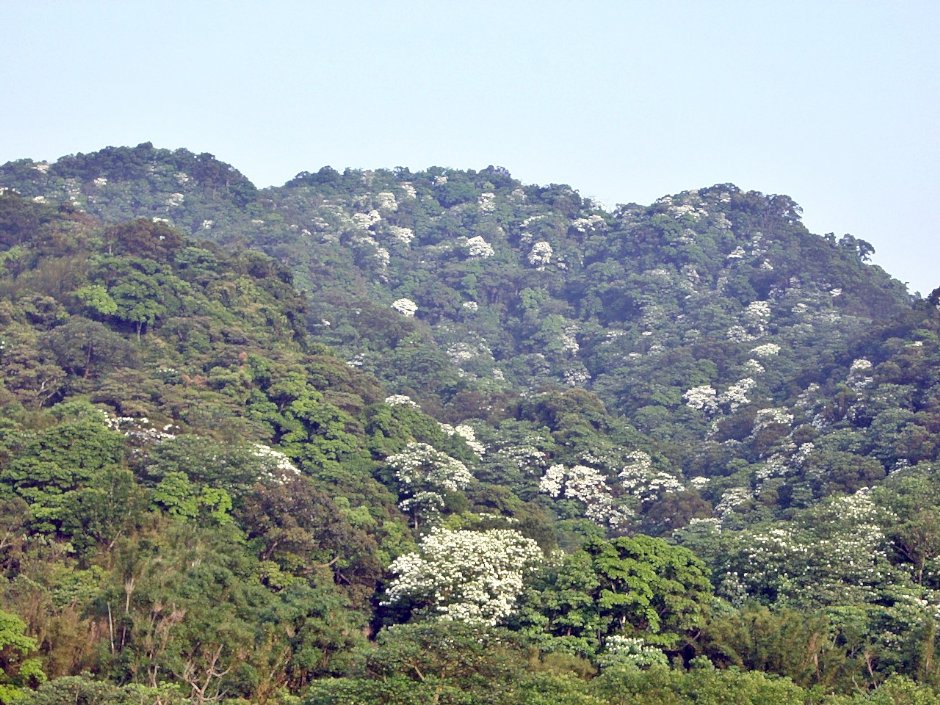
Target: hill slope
{"points": [[294, 414]]}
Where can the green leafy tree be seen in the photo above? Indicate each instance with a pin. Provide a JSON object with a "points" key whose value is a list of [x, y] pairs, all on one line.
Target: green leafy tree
{"points": [[19, 669]]}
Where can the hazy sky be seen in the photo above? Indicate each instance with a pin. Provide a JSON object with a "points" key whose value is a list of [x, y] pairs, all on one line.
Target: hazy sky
{"points": [[836, 104]]}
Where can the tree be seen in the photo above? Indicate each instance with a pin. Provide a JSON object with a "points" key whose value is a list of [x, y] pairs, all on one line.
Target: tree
{"points": [[48, 465], [647, 585], [634, 587], [17, 670], [143, 238], [467, 576], [425, 477], [82, 347], [301, 528]]}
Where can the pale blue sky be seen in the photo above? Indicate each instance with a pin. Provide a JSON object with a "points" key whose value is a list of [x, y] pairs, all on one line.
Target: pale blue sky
{"points": [[836, 104]]}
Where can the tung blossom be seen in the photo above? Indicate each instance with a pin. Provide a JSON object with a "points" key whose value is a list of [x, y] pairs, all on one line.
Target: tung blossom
{"points": [[588, 486], [403, 235], [386, 201], [175, 200], [466, 432], [467, 576], [766, 350], [365, 221], [540, 254], [400, 400], [640, 480], [736, 395], [276, 466], [703, 398], [424, 475], [406, 307], [479, 248]]}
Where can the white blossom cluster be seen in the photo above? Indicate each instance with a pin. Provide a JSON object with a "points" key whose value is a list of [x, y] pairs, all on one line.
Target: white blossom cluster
{"points": [[753, 367], [424, 475], [569, 340], [766, 350], [592, 222], [735, 396], [768, 560], [139, 428], [421, 465], [403, 235], [406, 307], [771, 416], [738, 334], [576, 375], [640, 480], [462, 352], [757, 312], [588, 486], [383, 257], [386, 202], [525, 457], [687, 210], [619, 649], [841, 547], [487, 201], [409, 189], [731, 499], [276, 466], [175, 200], [467, 576], [400, 400], [101, 181], [754, 323], [467, 433], [858, 373], [364, 221], [854, 557], [722, 222], [472, 306], [540, 254], [478, 248], [687, 204], [703, 398]]}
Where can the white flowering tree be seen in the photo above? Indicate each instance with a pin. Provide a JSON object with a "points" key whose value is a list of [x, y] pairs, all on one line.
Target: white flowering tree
{"points": [[406, 307], [639, 479], [468, 576], [588, 486], [425, 476]]}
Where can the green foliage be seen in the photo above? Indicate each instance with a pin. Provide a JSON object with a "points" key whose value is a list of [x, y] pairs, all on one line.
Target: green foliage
{"points": [[199, 497]]}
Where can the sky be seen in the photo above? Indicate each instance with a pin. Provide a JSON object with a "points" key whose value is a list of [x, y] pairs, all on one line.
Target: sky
{"points": [[836, 104]]}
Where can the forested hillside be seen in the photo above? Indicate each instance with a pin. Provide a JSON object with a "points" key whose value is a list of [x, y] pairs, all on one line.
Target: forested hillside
{"points": [[441, 436]]}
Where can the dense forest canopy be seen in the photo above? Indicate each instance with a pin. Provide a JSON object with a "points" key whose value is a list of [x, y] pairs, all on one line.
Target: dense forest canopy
{"points": [[441, 436]]}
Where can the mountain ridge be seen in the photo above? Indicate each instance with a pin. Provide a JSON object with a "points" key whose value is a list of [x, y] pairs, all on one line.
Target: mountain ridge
{"points": [[323, 402]]}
